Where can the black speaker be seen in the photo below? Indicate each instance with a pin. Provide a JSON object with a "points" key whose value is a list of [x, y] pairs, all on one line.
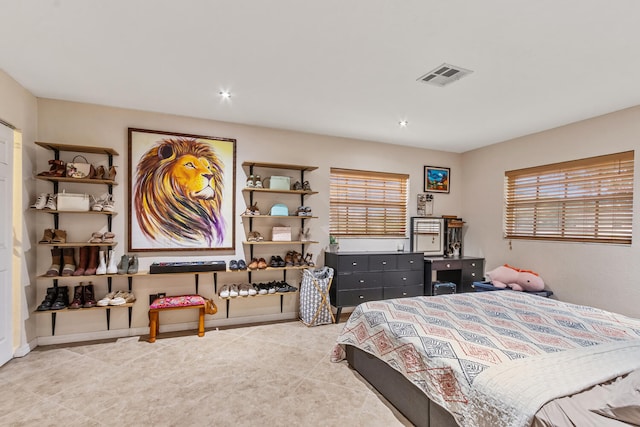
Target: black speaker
{"points": [[443, 288]]}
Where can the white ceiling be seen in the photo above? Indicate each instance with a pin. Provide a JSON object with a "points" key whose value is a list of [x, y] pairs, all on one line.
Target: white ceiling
{"points": [[337, 67]]}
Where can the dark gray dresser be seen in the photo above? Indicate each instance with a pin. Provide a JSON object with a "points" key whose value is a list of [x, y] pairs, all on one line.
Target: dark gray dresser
{"points": [[368, 276]]}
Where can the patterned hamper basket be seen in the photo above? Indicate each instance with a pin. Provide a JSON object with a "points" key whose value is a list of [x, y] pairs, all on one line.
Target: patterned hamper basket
{"points": [[315, 306]]}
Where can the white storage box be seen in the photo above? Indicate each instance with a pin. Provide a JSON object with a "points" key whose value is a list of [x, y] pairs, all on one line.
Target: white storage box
{"points": [[281, 234], [72, 202], [279, 183]]}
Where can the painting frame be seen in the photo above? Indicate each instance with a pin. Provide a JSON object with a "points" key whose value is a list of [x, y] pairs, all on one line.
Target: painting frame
{"points": [[180, 205], [437, 179]]}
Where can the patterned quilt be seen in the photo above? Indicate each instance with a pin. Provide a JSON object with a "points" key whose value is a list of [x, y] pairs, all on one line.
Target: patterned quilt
{"points": [[443, 343]]}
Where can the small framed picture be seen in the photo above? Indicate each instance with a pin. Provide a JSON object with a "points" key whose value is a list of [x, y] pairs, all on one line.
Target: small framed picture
{"points": [[436, 179]]}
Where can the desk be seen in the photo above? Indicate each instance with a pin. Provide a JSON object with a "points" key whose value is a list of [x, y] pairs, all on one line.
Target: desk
{"points": [[462, 271]]}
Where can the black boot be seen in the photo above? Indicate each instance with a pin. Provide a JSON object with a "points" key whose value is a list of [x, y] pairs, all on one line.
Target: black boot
{"points": [[77, 302], [62, 299], [48, 300]]}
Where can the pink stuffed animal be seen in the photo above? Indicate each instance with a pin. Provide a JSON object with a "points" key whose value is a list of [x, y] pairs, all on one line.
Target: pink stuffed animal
{"points": [[515, 278]]}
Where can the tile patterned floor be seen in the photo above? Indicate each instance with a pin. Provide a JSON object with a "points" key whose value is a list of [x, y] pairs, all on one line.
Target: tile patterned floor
{"points": [[268, 375]]}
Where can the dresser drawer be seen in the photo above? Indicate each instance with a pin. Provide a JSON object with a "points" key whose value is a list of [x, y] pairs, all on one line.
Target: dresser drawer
{"points": [[446, 264], [355, 297], [410, 262], [359, 281], [472, 270], [382, 262], [403, 278], [350, 263], [402, 291]]}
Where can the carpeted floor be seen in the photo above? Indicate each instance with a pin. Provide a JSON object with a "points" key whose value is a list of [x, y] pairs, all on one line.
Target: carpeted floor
{"points": [[268, 375]]}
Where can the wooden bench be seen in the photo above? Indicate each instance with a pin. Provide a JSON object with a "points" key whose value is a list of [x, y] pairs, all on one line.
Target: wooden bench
{"points": [[180, 302]]}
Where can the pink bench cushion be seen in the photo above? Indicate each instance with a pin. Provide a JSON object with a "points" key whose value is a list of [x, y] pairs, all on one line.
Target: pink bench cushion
{"points": [[178, 301]]}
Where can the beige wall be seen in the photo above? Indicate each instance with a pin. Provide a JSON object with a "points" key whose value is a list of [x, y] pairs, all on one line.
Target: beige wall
{"points": [[604, 276], [19, 108], [76, 123]]}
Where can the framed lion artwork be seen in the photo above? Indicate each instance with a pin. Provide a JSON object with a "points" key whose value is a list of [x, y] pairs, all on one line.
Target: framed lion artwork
{"points": [[181, 192]]}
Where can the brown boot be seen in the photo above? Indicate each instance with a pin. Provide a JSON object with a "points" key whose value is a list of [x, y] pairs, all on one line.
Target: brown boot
{"points": [[83, 261], [56, 257], [89, 296], [78, 292], [47, 236], [68, 262], [92, 264]]}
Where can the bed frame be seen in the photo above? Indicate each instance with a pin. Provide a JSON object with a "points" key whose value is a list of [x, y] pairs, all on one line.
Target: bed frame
{"points": [[400, 392]]}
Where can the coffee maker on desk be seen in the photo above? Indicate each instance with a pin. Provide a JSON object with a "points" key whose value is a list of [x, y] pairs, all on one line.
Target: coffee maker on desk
{"points": [[453, 236]]}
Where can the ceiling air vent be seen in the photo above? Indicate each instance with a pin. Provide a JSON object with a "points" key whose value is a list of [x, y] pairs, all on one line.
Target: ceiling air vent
{"points": [[444, 74]]}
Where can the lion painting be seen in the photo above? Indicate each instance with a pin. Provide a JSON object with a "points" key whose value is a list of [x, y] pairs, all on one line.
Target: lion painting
{"points": [[178, 192]]}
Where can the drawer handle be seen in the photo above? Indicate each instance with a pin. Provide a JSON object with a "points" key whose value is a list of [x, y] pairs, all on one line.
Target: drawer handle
{"points": [[473, 264], [411, 262], [473, 274], [404, 278], [361, 280], [361, 297], [354, 263], [404, 294], [448, 265], [384, 262]]}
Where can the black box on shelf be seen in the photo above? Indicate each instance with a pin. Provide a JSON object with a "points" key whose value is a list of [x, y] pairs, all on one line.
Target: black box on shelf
{"points": [[186, 266]]}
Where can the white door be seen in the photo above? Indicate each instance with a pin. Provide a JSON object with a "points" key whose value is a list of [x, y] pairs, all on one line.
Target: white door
{"points": [[6, 227]]}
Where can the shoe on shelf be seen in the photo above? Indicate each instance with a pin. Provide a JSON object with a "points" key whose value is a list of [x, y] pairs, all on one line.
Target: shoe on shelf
{"points": [[281, 262], [262, 264], [83, 261], [253, 264], [306, 186], [62, 299], [111, 174], [96, 237], [251, 182], [233, 265], [233, 291], [89, 297], [51, 202], [243, 290], [102, 264], [48, 300], [242, 265], [123, 265], [108, 205], [56, 258], [258, 183], [112, 267], [133, 265], [108, 237], [97, 205], [273, 262], [68, 262], [59, 236], [106, 299], [41, 201], [297, 186], [100, 171], [77, 297], [224, 291], [47, 237]]}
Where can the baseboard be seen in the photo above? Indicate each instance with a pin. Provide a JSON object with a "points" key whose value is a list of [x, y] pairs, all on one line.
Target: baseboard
{"points": [[25, 349], [172, 327]]}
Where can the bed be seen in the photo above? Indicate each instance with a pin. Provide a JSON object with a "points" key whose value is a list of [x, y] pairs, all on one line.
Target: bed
{"points": [[495, 358]]}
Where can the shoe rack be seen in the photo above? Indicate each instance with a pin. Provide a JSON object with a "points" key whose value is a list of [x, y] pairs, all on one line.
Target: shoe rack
{"points": [[253, 193], [57, 181]]}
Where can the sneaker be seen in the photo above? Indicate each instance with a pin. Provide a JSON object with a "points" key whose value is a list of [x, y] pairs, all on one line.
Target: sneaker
{"points": [[233, 291], [258, 183], [41, 201], [108, 204], [250, 182], [51, 202], [224, 291], [243, 290]]}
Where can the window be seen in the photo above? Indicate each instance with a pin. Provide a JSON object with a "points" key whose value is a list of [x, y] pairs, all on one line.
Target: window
{"points": [[587, 200], [372, 204]]}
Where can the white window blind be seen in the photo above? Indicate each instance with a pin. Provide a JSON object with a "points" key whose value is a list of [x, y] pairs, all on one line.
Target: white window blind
{"points": [[588, 200], [364, 203]]}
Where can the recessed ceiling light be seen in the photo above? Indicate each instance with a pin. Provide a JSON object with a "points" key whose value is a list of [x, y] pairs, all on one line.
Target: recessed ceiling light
{"points": [[403, 123], [225, 94]]}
